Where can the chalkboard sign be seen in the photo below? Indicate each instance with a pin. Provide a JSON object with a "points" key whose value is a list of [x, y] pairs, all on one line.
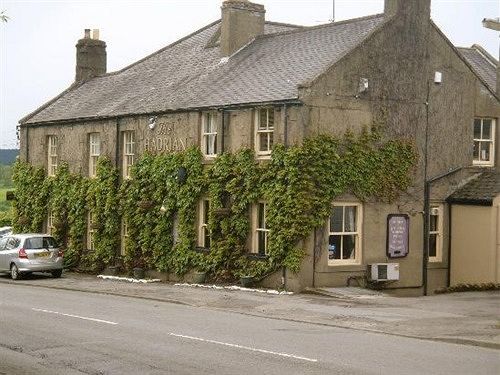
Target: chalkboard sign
{"points": [[398, 229]]}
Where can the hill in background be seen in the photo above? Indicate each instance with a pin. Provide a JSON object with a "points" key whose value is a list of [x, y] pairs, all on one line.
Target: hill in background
{"points": [[8, 156]]}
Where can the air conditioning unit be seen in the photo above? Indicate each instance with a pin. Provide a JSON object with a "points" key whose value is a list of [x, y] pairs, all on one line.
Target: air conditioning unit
{"points": [[384, 271]]}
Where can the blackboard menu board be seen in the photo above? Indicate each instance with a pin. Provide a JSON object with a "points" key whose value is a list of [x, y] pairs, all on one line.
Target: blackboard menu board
{"points": [[398, 229]]}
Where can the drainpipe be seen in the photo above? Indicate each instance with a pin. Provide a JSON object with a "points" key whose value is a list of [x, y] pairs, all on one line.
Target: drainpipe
{"points": [[285, 137], [314, 261], [223, 114], [498, 244], [117, 143], [448, 273]]}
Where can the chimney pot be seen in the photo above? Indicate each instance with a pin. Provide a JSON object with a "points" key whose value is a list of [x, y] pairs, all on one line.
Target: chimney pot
{"points": [[95, 34], [86, 34]]}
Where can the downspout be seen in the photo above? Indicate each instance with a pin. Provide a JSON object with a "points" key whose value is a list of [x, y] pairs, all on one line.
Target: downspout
{"points": [[314, 261], [285, 130], [117, 144], [223, 114], [426, 193], [27, 145], [448, 273], [498, 244]]}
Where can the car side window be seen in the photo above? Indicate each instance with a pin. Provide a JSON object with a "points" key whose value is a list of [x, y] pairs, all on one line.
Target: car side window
{"points": [[3, 241], [12, 243]]}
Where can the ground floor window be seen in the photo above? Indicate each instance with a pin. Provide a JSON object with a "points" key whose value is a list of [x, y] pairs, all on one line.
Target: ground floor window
{"points": [[344, 239], [260, 231], [203, 231], [436, 233], [91, 224], [124, 237]]}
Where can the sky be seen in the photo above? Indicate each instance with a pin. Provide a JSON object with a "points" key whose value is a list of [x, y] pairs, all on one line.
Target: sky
{"points": [[37, 44]]}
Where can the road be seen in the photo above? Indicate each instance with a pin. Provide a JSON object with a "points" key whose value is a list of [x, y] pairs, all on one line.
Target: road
{"points": [[48, 331]]}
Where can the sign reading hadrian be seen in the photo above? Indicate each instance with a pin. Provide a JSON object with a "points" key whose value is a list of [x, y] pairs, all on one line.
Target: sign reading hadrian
{"points": [[160, 137], [398, 230]]}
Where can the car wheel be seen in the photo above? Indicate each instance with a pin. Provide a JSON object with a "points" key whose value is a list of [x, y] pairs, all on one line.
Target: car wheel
{"points": [[14, 272], [57, 273]]}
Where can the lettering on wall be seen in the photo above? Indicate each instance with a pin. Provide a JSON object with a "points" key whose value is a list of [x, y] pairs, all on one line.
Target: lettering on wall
{"points": [[160, 137]]}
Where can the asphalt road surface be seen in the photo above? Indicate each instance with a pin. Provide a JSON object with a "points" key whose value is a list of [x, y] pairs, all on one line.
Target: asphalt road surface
{"points": [[48, 331]]}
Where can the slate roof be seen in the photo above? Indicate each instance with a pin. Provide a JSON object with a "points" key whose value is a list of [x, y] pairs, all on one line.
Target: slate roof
{"points": [[480, 191], [483, 64], [190, 74]]}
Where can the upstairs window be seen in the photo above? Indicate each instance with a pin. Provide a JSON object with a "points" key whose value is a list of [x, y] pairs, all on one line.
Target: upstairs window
{"points": [[261, 232], [484, 141], [203, 231], [264, 131], [128, 153], [52, 145], [94, 152], [344, 240], [209, 134]]}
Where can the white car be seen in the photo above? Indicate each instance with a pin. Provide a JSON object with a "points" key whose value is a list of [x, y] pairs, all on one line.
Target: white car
{"points": [[4, 231], [26, 253]]}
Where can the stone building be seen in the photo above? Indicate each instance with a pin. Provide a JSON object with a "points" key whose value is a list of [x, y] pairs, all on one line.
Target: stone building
{"points": [[243, 81]]}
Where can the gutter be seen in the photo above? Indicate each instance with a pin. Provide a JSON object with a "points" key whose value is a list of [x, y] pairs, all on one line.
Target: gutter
{"points": [[227, 107]]}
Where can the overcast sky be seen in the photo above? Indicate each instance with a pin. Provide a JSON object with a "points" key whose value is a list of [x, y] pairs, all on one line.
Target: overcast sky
{"points": [[37, 44]]}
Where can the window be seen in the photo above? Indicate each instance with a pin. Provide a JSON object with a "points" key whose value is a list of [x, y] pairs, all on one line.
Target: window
{"points": [[94, 152], [436, 234], [123, 244], [50, 222], [484, 141], [264, 131], [52, 145], [203, 231], [128, 152], [344, 240], [90, 231], [209, 134], [260, 233]]}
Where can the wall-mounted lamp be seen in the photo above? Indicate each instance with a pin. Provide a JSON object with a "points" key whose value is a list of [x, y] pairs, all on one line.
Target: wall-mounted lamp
{"points": [[438, 78], [152, 122]]}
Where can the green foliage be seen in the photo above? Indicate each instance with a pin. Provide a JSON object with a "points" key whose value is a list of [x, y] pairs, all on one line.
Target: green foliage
{"points": [[159, 205]]}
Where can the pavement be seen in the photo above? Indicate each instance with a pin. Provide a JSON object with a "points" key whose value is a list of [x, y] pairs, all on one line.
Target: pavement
{"points": [[470, 318]]}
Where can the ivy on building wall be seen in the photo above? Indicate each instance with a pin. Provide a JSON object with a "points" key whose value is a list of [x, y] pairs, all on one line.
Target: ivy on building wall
{"points": [[159, 204]]}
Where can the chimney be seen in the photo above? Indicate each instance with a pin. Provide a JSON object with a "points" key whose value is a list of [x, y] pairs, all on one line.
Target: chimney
{"points": [[412, 8], [241, 22], [90, 56]]}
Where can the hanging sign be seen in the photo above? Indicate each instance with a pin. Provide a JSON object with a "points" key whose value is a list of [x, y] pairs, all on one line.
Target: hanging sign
{"points": [[398, 230]]}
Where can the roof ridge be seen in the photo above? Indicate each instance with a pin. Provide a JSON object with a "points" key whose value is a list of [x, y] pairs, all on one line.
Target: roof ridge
{"points": [[325, 25], [284, 24], [485, 54]]}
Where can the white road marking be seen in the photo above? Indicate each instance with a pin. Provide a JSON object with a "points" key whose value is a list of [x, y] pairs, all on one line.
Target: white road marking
{"points": [[75, 316], [245, 347]]}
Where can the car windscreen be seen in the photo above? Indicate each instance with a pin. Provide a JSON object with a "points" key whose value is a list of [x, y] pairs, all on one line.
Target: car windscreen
{"points": [[40, 243]]}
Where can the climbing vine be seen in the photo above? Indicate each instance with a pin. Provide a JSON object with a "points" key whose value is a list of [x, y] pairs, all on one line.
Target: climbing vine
{"points": [[159, 203]]}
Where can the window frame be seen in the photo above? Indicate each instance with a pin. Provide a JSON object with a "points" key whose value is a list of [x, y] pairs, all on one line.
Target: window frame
{"points": [[481, 140], [358, 233], [128, 153], [94, 140], [259, 129], [209, 118], [438, 233], [203, 229], [123, 237], [52, 154], [50, 222], [90, 231], [256, 229]]}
